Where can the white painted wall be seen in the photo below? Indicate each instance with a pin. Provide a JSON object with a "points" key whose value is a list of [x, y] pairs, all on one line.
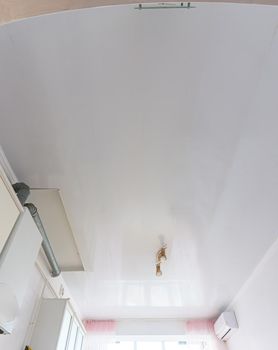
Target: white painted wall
{"points": [[256, 307], [256, 304]]}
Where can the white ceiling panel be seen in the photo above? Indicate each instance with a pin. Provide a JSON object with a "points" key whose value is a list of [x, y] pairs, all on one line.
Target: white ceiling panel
{"points": [[154, 125]]}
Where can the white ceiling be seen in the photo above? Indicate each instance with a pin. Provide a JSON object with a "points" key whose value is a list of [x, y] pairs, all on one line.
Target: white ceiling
{"points": [[153, 124]]}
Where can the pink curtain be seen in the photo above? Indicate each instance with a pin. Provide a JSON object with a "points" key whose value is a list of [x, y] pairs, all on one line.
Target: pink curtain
{"points": [[205, 327], [102, 327]]}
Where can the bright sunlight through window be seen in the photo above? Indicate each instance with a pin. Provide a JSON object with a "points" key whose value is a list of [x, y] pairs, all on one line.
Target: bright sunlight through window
{"points": [[160, 345]]}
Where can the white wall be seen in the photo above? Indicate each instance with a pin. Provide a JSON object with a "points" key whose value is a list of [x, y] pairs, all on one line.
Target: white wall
{"points": [[256, 307], [256, 304]]}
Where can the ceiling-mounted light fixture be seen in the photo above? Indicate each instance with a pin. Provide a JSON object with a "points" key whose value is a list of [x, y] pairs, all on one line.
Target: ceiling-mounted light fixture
{"points": [[158, 270], [160, 258], [164, 5]]}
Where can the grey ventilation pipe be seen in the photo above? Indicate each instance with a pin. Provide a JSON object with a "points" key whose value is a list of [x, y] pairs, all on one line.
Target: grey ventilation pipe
{"points": [[22, 191], [45, 243]]}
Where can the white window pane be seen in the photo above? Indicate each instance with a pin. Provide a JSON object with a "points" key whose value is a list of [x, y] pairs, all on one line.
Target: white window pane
{"points": [[176, 345], [123, 345], [64, 331], [160, 295], [183, 345], [135, 295], [72, 337], [199, 346], [149, 345], [79, 340]]}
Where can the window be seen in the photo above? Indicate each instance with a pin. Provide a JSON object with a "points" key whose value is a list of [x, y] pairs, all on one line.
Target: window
{"points": [[64, 331], [190, 343], [185, 345], [123, 345], [79, 340], [72, 338], [149, 345]]}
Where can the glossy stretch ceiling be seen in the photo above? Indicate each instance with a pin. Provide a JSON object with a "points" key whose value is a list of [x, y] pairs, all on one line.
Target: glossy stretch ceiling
{"points": [[154, 125]]}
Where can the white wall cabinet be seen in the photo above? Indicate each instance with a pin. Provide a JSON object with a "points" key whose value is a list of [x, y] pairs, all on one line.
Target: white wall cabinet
{"points": [[57, 328], [9, 209], [17, 261]]}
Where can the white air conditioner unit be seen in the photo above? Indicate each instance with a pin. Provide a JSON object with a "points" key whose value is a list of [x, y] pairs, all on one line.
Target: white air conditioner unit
{"points": [[225, 325]]}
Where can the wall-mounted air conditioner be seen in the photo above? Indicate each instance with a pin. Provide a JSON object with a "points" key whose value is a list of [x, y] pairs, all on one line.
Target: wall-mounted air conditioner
{"points": [[225, 325]]}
